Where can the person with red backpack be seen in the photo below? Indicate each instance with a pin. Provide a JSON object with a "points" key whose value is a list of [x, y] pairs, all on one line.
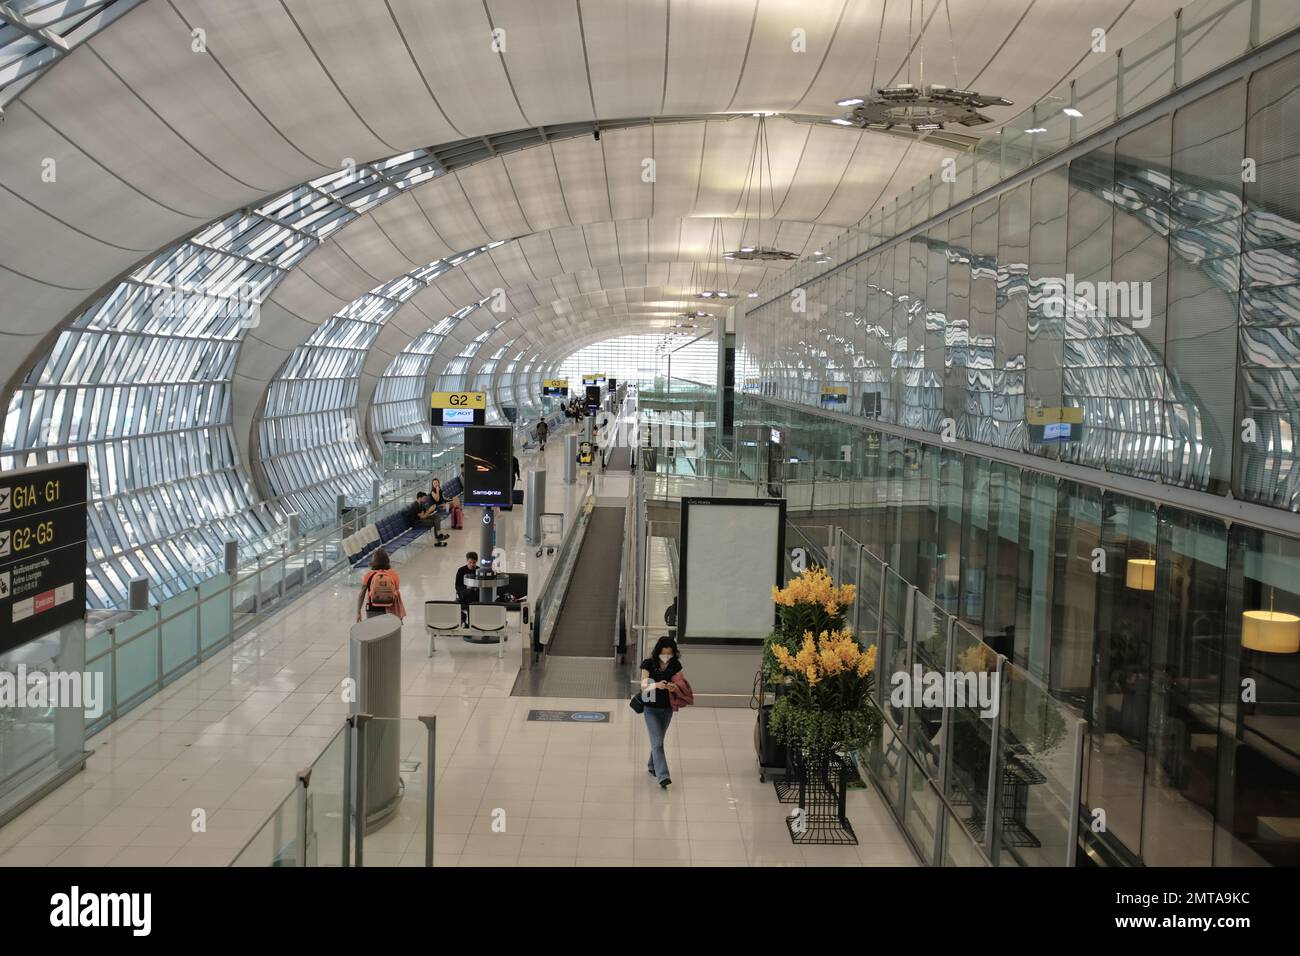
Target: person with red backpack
{"points": [[381, 589]]}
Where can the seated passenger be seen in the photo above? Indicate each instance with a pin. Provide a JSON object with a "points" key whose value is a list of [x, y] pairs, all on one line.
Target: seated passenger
{"points": [[424, 514], [466, 591]]}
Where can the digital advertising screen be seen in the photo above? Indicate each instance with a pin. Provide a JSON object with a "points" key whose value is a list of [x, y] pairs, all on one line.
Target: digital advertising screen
{"points": [[489, 453], [593, 398]]}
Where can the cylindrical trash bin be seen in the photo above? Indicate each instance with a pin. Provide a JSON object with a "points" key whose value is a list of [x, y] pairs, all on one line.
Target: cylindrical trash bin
{"points": [[376, 667], [534, 505]]}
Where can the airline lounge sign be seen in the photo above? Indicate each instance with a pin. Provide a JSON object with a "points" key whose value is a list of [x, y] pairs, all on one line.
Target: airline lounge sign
{"points": [[42, 551]]}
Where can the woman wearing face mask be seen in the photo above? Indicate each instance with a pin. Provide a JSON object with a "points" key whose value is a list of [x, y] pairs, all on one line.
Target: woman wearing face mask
{"points": [[657, 683]]}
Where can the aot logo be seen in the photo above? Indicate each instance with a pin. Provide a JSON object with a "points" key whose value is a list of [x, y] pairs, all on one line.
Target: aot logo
{"points": [[73, 909]]}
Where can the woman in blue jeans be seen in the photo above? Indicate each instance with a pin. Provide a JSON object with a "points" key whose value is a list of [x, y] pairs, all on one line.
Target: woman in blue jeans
{"points": [[657, 673]]}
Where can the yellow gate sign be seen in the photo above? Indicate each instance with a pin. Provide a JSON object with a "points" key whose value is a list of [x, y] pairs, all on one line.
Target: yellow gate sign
{"points": [[458, 400]]}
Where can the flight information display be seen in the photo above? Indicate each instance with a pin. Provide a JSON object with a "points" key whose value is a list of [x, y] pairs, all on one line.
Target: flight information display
{"points": [[42, 551]]}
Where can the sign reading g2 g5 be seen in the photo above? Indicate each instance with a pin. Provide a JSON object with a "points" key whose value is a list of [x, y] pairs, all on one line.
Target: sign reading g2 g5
{"points": [[42, 551], [457, 409]]}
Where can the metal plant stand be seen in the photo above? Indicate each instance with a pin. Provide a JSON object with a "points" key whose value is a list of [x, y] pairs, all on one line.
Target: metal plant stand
{"points": [[819, 784]]}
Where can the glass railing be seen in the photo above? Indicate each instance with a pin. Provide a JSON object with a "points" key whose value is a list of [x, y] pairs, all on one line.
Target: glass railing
{"points": [[377, 769], [992, 780], [1200, 38], [141, 652]]}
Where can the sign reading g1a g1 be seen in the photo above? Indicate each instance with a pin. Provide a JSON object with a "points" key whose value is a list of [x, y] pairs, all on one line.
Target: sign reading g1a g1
{"points": [[42, 551]]}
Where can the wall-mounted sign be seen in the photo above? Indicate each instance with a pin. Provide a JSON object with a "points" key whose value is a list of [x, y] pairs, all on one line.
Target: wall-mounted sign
{"points": [[42, 551], [1055, 424], [457, 409]]}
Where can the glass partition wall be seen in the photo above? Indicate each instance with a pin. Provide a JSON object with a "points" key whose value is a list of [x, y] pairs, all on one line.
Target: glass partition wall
{"points": [[1149, 664], [1123, 314]]}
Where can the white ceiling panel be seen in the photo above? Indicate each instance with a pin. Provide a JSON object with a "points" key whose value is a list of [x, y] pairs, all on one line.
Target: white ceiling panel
{"points": [[444, 203], [678, 152], [374, 252], [570, 246], [394, 101], [493, 196], [197, 99], [545, 59], [707, 40], [539, 255], [602, 243], [536, 183], [626, 41], [452, 45], [405, 224], [105, 120], [625, 152], [582, 174], [258, 44], [510, 263], [782, 63]]}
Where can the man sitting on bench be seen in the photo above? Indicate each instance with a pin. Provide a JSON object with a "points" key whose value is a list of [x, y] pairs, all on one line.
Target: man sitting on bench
{"points": [[467, 590], [424, 514]]}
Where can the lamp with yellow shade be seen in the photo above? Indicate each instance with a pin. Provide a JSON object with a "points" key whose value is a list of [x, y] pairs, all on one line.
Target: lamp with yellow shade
{"points": [[1140, 575], [1273, 632]]}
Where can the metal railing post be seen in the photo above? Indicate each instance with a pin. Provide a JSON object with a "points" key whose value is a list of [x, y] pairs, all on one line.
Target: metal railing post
{"points": [[991, 799], [359, 785], [431, 726], [304, 781], [1076, 788], [348, 727]]}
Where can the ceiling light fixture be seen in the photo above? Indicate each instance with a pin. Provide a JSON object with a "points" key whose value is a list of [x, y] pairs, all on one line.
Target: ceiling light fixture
{"points": [[920, 107], [757, 194], [1037, 129], [1071, 111]]}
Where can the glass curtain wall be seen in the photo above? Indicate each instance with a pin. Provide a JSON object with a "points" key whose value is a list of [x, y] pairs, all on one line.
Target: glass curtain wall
{"points": [[1132, 310], [1143, 620]]}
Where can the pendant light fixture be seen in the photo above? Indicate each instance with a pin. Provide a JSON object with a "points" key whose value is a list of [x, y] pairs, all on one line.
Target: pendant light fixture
{"points": [[1272, 632], [1140, 574], [758, 191], [922, 107]]}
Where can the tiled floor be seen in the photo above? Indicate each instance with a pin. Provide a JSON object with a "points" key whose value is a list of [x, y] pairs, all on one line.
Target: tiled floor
{"points": [[228, 737]]}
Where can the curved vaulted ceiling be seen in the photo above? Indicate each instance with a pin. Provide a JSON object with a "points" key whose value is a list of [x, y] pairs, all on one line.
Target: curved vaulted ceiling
{"points": [[179, 116], [183, 110]]}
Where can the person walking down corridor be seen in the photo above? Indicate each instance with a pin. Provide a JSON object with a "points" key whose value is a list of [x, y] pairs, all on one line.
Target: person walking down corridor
{"points": [[657, 683], [543, 429], [381, 589]]}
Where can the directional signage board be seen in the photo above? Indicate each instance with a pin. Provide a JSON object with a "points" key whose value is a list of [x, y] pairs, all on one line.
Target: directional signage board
{"points": [[42, 551], [457, 409]]}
